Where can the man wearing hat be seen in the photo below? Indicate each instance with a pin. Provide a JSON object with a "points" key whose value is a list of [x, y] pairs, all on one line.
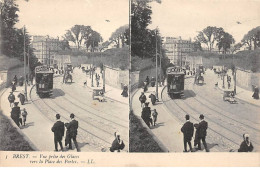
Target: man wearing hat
{"points": [[142, 99], [73, 131], [187, 130], [202, 132], [58, 130], [15, 113]]}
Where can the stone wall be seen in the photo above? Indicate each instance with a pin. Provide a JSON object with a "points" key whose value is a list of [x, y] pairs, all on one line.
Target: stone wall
{"points": [[116, 77], [18, 71], [245, 79]]}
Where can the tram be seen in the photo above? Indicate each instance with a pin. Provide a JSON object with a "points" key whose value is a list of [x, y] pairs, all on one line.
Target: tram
{"points": [[44, 81], [175, 82]]}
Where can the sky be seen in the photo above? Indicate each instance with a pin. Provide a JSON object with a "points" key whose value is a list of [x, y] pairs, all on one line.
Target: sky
{"points": [[54, 17], [186, 17]]}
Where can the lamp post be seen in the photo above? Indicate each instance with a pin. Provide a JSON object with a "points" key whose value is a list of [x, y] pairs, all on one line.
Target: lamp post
{"points": [[24, 59], [156, 93]]}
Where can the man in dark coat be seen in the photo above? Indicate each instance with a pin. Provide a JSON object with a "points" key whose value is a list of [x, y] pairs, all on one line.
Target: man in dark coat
{"points": [[147, 80], [15, 113], [202, 132], [21, 96], [58, 130], [142, 99], [187, 130], [153, 98], [246, 145], [146, 114], [73, 131], [11, 98]]}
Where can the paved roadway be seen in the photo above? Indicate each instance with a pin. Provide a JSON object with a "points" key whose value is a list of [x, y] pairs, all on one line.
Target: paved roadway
{"points": [[227, 122], [97, 120]]}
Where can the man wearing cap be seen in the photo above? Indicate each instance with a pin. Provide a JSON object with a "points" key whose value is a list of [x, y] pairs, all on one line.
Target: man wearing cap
{"points": [[11, 98], [187, 130], [73, 131], [202, 132], [15, 113], [58, 130], [246, 145], [142, 99]]}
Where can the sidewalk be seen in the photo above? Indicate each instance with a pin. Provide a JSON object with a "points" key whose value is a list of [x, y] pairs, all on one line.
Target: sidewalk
{"points": [[110, 92], [241, 94], [38, 127], [168, 127]]}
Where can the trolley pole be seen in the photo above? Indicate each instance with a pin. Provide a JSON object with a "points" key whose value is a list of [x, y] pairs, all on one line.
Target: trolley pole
{"points": [[156, 93], [24, 60], [104, 79], [160, 78]]}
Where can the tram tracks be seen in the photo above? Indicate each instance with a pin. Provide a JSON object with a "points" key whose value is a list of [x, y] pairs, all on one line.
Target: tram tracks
{"points": [[223, 128], [83, 134]]}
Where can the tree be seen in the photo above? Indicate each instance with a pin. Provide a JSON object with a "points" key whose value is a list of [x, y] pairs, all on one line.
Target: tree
{"points": [[209, 36], [252, 38], [197, 46], [9, 18], [225, 42], [77, 34], [120, 36], [235, 48], [93, 40], [142, 39]]}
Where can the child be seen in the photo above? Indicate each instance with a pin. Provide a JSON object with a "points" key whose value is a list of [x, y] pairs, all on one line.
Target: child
{"points": [[24, 115], [155, 114]]}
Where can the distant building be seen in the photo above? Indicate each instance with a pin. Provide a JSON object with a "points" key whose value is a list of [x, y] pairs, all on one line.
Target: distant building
{"points": [[45, 48], [176, 48]]}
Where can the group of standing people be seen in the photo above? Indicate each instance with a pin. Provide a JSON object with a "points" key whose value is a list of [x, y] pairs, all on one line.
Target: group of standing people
{"points": [[149, 116], [71, 134], [200, 134], [18, 116]]}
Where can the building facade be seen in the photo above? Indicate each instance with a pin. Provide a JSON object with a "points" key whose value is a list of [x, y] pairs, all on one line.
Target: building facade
{"points": [[177, 48], [45, 48]]}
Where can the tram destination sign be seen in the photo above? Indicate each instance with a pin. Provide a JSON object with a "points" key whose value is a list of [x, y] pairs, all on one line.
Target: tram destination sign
{"points": [[42, 69]]}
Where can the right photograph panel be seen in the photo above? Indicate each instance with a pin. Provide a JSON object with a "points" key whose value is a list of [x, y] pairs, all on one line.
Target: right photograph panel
{"points": [[195, 76]]}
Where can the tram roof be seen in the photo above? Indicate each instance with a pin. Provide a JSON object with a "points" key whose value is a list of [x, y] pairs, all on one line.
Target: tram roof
{"points": [[176, 73]]}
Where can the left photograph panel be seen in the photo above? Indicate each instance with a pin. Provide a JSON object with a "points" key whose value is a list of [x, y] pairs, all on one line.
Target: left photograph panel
{"points": [[64, 75]]}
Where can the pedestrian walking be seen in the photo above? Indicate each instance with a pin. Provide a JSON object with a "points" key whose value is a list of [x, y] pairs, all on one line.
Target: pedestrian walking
{"points": [[202, 133], [15, 80], [125, 91], [246, 145], [21, 96], [155, 114], [187, 130], [146, 115], [256, 93], [24, 115], [73, 131], [13, 87], [11, 99], [147, 80], [58, 130], [153, 98], [15, 113], [142, 99], [117, 144], [145, 86]]}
